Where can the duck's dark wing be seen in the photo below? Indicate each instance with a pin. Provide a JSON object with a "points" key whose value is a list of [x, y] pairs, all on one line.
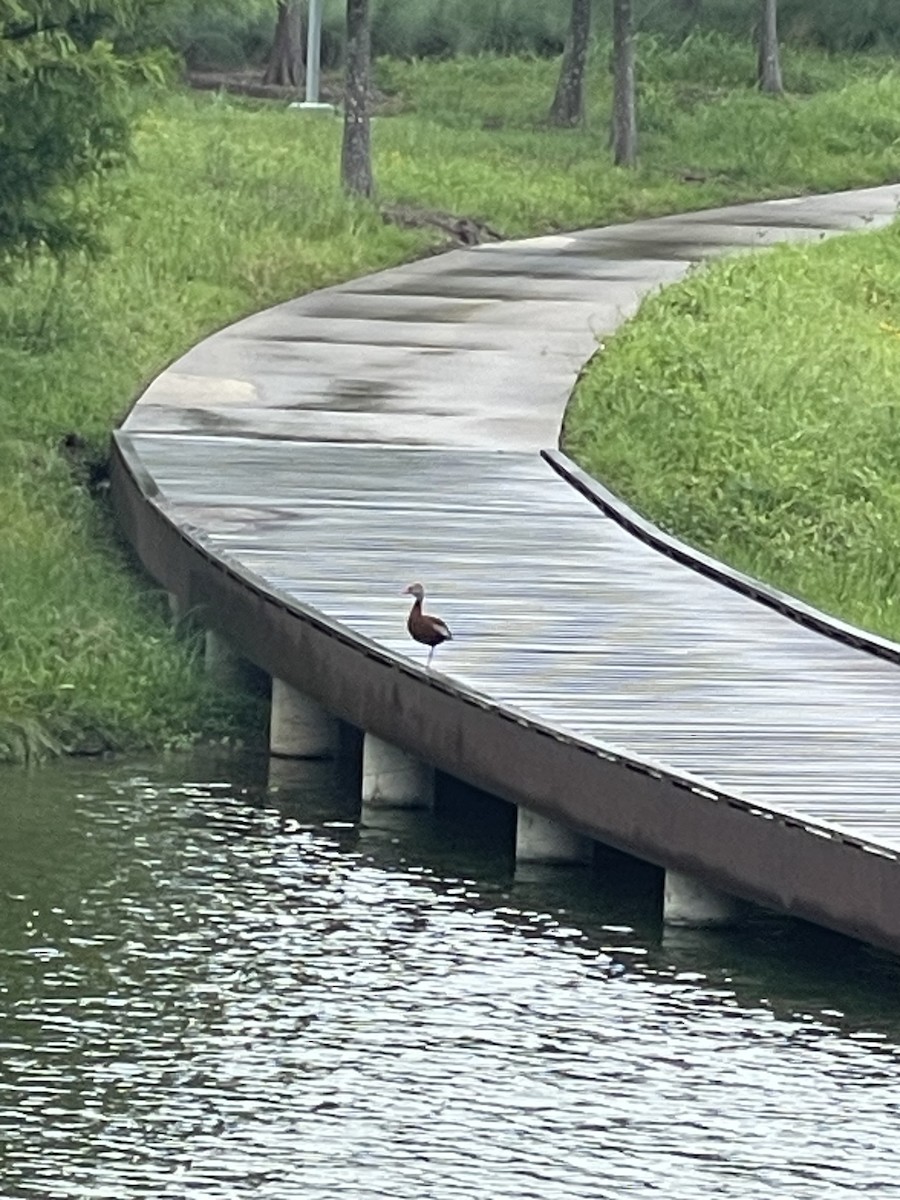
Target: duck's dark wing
{"points": [[440, 629]]}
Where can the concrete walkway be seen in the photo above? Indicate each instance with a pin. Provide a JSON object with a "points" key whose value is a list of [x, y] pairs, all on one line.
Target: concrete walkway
{"points": [[477, 348], [334, 448]]}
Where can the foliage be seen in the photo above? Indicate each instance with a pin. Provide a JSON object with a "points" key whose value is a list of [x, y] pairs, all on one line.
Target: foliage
{"points": [[441, 28], [63, 118], [234, 33], [86, 659], [208, 33], [754, 410], [834, 25], [229, 206]]}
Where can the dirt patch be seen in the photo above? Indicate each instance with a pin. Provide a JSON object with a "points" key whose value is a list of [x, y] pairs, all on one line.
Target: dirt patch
{"points": [[461, 231], [250, 83]]}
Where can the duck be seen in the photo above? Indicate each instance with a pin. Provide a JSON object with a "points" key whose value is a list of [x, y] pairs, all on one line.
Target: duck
{"points": [[430, 631]]}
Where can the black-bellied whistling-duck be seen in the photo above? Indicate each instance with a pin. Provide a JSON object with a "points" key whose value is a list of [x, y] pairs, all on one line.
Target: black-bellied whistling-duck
{"points": [[430, 631]]}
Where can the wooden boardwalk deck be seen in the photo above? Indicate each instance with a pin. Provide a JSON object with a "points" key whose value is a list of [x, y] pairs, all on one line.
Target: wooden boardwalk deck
{"points": [[331, 450]]}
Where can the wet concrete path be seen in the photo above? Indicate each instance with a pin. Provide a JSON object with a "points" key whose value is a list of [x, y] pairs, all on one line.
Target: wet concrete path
{"points": [[477, 348]]}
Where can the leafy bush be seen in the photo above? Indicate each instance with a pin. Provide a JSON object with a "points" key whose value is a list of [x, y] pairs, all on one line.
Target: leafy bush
{"points": [[830, 24], [207, 33], [234, 33], [442, 28], [63, 118]]}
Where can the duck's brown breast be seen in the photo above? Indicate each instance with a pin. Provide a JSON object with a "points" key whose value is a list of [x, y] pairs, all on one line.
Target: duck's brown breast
{"points": [[430, 631]]}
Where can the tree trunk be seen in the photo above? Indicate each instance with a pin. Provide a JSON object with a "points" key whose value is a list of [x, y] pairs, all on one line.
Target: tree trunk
{"points": [[769, 67], [285, 65], [567, 108], [356, 154], [624, 120]]}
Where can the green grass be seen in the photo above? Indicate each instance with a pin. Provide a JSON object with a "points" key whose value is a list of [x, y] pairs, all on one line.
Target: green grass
{"points": [[754, 410], [225, 210], [232, 206], [698, 117], [87, 661]]}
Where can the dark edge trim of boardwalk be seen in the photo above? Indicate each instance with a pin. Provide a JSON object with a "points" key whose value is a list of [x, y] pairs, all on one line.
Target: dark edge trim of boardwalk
{"points": [[750, 850], [651, 535]]}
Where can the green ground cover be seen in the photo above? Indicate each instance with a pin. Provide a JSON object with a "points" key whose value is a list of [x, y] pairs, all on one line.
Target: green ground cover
{"points": [[230, 206], [754, 410]]}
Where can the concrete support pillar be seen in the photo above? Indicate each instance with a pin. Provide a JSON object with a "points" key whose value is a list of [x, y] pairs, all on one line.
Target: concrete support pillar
{"points": [[688, 902], [538, 839], [220, 661], [298, 726], [310, 780], [391, 778], [228, 669], [178, 608]]}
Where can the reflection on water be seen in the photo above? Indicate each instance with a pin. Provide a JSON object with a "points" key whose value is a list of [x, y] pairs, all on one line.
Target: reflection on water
{"points": [[211, 990]]}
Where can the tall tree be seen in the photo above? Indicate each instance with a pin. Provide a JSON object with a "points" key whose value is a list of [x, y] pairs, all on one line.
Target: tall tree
{"points": [[285, 65], [624, 117], [356, 152], [567, 108], [769, 65]]}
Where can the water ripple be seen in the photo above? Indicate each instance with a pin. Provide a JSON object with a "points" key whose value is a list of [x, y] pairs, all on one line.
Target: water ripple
{"points": [[203, 996]]}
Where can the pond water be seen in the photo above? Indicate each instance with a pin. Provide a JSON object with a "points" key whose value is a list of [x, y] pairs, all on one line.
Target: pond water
{"points": [[213, 988]]}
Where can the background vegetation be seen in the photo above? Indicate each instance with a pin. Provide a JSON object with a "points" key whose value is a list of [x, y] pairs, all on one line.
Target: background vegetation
{"points": [[223, 33]]}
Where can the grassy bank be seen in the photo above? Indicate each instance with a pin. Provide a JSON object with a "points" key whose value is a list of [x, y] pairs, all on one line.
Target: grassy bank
{"points": [[755, 411], [230, 207]]}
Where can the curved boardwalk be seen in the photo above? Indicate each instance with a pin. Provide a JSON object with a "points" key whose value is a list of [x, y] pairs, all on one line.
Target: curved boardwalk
{"points": [[295, 471]]}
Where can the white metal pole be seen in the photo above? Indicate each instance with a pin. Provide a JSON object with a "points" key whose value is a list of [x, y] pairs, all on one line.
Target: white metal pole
{"points": [[313, 51]]}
